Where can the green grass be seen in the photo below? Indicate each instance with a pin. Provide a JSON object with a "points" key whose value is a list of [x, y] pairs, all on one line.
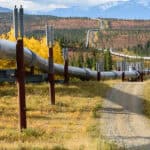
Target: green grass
{"points": [[72, 124]]}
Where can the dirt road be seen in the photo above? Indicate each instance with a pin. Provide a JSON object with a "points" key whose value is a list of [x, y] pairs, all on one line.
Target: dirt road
{"points": [[122, 119]]}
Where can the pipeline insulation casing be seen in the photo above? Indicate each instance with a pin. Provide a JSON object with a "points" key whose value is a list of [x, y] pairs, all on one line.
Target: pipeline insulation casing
{"points": [[8, 51]]}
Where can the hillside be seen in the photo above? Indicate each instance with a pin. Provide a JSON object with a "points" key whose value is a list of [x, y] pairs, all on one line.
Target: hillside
{"points": [[129, 24], [118, 33], [119, 39]]}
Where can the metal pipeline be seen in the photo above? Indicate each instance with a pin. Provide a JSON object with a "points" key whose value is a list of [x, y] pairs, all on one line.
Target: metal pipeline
{"points": [[8, 51], [128, 56]]}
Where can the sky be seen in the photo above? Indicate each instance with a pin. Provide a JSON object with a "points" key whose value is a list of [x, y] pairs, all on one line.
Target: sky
{"points": [[52, 5], [34, 5]]}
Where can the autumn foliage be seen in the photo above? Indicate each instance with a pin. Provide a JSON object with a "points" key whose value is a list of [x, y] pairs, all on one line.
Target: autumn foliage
{"points": [[37, 46]]}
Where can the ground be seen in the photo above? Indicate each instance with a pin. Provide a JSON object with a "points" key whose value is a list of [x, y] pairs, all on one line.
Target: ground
{"points": [[73, 123], [123, 120]]}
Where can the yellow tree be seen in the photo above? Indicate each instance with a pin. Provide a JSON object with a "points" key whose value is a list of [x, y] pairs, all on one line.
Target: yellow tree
{"points": [[37, 46]]}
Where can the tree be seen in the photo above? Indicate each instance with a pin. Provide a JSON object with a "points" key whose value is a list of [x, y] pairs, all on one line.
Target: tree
{"points": [[107, 61], [37, 46], [80, 60]]}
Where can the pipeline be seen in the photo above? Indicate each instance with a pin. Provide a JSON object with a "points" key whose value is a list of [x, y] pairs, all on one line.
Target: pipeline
{"points": [[128, 56], [8, 51]]}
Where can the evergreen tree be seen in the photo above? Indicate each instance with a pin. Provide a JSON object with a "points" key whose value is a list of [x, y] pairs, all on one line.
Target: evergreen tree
{"points": [[80, 60], [107, 61]]}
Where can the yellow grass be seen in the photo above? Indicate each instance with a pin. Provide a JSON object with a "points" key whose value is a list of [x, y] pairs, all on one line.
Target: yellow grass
{"points": [[72, 124]]}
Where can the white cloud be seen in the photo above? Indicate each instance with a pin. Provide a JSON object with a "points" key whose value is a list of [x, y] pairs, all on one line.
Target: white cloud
{"points": [[145, 3], [108, 5], [35, 5], [46, 5]]}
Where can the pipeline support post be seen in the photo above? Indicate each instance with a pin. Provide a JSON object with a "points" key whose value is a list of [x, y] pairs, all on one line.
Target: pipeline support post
{"points": [[123, 76], [141, 76], [98, 76], [66, 74], [32, 70], [20, 72], [21, 84], [99, 67], [51, 78]]}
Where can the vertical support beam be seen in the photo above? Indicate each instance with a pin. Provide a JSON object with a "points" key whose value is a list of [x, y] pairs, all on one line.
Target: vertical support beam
{"points": [[21, 23], [51, 78], [98, 76], [123, 76], [141, 76], [21, 84], [99, 67], [66, 75], [32, 70], [15, 22]]}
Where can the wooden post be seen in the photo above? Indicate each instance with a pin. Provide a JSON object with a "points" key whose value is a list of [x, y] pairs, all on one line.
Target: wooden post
{"points": [[21, 84]]}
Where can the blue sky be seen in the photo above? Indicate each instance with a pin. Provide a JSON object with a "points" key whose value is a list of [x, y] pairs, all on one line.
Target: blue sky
{"points": [[82, 6]]}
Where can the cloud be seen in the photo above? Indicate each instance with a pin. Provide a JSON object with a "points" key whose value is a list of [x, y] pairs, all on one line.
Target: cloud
{"points": [[43, 5], [108, 5], [145, 3], [47, 5]]}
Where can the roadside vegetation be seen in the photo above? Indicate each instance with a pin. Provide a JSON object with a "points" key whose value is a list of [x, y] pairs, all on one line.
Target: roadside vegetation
{"points": [[147, 99], [73, 123]]}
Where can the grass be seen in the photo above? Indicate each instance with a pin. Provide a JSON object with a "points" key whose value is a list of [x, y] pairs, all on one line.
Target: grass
{"points": [[147, 98], [72, 124]]}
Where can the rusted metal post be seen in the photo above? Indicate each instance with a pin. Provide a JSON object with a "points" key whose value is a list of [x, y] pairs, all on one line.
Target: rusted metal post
{"points": [[51, 78], [32, 70], [98, 76], [123, 76], [66, 75], [20, 72], [99, 68], [21, 83], [141, 76]]}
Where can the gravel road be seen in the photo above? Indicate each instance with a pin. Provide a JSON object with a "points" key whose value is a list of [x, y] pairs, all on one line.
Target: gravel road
{"points": [[122, 119]]}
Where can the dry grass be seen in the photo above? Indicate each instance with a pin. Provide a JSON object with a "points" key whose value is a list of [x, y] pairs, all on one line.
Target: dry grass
{"points": [[147, 98], [72, 124]]}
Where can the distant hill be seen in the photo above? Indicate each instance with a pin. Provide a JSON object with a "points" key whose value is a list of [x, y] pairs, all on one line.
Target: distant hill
{"points": [[4, 9], [118, 33]]}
